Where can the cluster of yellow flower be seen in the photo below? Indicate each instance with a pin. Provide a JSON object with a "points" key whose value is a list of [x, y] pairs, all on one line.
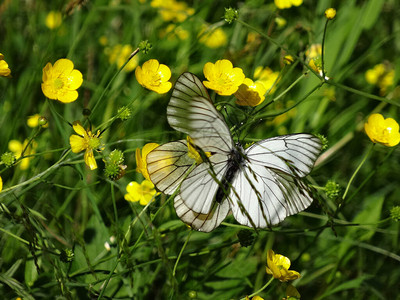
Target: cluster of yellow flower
{"points": [[119, 55], [226, 80], [381, 75], [282, 4], [144, 192], [171, 10]]}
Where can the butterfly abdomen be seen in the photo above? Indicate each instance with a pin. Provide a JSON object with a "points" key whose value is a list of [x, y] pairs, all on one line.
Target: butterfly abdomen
{"points": [[236, 159]]}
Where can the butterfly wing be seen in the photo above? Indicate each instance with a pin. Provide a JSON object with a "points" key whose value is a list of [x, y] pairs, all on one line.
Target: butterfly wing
{"points": [[202, 222], [168, 164], [191, 111], [268, 188]]}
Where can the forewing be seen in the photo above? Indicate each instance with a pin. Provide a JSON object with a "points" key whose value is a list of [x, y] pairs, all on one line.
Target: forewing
{"points": [[168, 164], [202, 222], [191, 111], [293, 154]]}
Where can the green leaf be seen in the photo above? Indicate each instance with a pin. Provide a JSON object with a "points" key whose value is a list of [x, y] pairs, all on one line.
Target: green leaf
{"points": [[348, 285], [31, 273], [239, 268]]}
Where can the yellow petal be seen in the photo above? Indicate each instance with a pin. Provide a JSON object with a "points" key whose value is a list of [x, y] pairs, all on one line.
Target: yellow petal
{"points": [[89, 159], [63, 66], [75, 80], [78, 128], [147, 184], [15, 147], [33, 121], [151, 65], [1, 184], [130, 197], [47, 72], [208, 70], [392, 124], [224, 65], [145, 199], [132, 187], [165, 72], [77, 143], [297, 2], [162, 88], [148, 148], [67, 96]]}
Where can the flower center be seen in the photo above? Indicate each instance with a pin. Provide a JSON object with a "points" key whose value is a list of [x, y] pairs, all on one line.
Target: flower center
{"points": [[93, 142], [156, 79], [58, 83]]}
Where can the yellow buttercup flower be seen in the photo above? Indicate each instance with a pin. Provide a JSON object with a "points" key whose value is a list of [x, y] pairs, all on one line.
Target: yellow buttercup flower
{"points": [[35, 121], [85, 140], [222, 77], [382, 131], [119, 54], [61, 81], [282, 4], [193, 153], [278, 266], [1, 184], [213, 38], [154, 76], [172, 32], [17, 147], [53, 19], [381, 75], [313, 57], [144, 192], [288, 59], [330, 13], [267, 77], [281, 22], [254, 298], [141, 158], [4, 69], [250, 93], [171, 10]]}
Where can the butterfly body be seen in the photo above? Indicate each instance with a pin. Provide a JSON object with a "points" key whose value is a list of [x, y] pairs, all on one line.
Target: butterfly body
{"points": [[235, 162], [261, 185]]}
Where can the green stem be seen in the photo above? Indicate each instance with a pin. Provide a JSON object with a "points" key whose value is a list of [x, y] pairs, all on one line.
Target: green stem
{"points": [[290, 86], [370, 175], [356, 171], [364, 94], [323, 49], [180, 253], [37, 177], [260, 290], [112, 80], [54, 111], [14, 236]]}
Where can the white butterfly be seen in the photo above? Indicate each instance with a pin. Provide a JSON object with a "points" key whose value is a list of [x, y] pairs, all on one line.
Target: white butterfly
{"points": [[261, 185]]}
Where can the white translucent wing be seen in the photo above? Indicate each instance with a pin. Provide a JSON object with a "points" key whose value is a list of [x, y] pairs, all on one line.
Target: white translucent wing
{"points": [[191, 111], [199, 188], [168, 164], [262, 197], [293, 154], [202, 222], [268, 188]]}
